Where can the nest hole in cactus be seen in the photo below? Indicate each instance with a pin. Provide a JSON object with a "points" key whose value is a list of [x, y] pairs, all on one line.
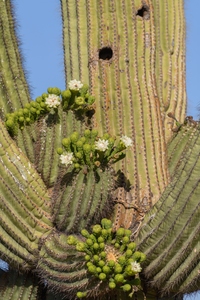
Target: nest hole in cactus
{"points": [[143, 12], [105, 53]]}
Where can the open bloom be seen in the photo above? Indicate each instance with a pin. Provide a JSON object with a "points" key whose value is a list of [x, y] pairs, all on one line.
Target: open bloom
{"points": [[75, 85], [66, 159], [136, 267], [52, 101], [126, 141], [101, 145]]}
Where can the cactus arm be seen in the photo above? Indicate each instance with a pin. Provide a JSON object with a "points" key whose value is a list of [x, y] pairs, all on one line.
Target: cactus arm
{"points": [[14, 91], [170, 230], [22, 194], [80, 200], [170, 60], [18, 286]]}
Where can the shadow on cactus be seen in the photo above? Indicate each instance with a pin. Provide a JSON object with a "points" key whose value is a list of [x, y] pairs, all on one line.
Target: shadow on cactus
{"points": [[110, 257]]}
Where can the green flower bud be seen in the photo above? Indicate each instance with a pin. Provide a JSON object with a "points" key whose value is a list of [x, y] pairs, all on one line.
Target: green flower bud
{"points": [[34, 104], [111, 263], [120, 232], [59, 151], [79, 144], [10, 123], [118, 268], [106, 224], [89, 242], [102, 246], [39, 99], [77, 166], [119, 278], [74, 137], [81, 294], [89, 263], [136, 256], [101, 263], [86, 148], [80, 246], [131, 246], [43, 105], [125, 240], [122, 260], [87, 257], [142, 256], [129, 271], [92, 237], [102, 276], [117, 245], [66, 95], [91, 100], [106, 269], [66, 142], [80, 101], [127, 232], [94, 133], [32, 110], [28, 120], [99, 270], [84, 89], [27, 105], [92, 269], [83, 139], [79, 155], [96, 258], [126, 287], [96, 246], [25, 112], [71, 240], [106, 136], [97, 229], [85, 233], [102, 254], [112, 285], [87, 133], [21, 119], [129, 253], [100, 239]]}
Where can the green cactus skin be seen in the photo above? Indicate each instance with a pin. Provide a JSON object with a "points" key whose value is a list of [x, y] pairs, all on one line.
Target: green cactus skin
{"points": [[80, 200], [135, 90], [14, 91], [22, 194], [169, 235], [19, 286]]}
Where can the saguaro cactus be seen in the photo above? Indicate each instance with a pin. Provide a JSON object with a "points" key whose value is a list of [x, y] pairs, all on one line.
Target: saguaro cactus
{"points": [[131, 53]]}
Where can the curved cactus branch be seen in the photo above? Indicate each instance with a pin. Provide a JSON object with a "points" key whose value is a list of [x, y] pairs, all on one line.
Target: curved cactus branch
{"points": [[170, 231]]}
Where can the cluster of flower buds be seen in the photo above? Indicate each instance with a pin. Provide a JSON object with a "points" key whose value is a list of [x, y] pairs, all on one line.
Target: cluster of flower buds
{"points": [[110, 256], [92, 151], [76, 98], [27, 115]]}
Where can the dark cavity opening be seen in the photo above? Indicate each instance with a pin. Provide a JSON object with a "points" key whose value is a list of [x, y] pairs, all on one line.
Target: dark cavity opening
{"points": [[143, 12], [105, 53]]}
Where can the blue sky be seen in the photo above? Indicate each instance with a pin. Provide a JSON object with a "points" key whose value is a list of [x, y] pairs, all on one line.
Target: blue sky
{"points": [[41, 35]]}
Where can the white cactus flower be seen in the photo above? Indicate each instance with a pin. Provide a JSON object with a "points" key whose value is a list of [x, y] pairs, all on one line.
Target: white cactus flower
{"points": [[126, 141], [52, 101], [75, 85], [67, 158], [136, 267], [101, 145]]}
